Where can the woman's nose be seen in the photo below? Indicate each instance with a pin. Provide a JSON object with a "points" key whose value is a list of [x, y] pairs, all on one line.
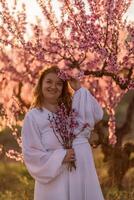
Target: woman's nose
{"points": [[53, 86]]}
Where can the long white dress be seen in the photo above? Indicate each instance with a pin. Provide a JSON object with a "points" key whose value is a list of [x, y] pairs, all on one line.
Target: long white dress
{"points": [[43, 154]]}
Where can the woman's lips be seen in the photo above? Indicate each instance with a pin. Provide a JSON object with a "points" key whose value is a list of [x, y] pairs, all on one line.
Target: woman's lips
{"points": [[52, 92]]}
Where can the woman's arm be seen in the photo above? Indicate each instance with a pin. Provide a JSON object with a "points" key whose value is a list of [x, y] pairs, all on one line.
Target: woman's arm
{"points": [[43, 165], [87, 106], [75, 84]]}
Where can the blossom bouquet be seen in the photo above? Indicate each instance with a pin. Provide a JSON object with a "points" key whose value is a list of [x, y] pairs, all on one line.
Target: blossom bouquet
{"points": [[63, 125]]}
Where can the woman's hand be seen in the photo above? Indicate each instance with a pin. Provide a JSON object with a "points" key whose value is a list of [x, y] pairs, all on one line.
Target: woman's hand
{"points": [[70, 156], [74, 83]]}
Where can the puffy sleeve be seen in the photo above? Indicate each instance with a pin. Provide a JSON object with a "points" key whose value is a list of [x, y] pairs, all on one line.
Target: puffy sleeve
{"points": [[43, 165], [88, 108]]}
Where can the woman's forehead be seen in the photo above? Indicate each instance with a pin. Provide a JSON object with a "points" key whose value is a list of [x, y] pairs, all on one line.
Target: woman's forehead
{"points": [[52, 76]]}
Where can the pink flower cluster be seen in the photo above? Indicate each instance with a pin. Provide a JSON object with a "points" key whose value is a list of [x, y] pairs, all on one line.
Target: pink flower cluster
{"points": [[63, 125], [14, 155], [80, 75], [66, 75], [63, 75]]}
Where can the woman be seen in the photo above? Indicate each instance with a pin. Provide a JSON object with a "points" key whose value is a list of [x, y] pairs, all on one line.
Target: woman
{"points": [[44, 156]]}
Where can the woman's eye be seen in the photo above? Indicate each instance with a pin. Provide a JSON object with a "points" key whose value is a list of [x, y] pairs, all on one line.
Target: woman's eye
{"points": [[48, 81], [60, 83]]}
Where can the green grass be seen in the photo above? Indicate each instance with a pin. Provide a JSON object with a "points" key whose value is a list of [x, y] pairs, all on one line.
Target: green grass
{"points": [[15, 182]]}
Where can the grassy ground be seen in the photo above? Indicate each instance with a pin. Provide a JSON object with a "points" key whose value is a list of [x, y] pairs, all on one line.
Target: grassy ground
{"points": [[110, 191], [16, 183]]}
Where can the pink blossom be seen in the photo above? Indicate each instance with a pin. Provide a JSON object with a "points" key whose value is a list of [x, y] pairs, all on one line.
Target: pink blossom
{"points": [[63, 125], [63, 75]]}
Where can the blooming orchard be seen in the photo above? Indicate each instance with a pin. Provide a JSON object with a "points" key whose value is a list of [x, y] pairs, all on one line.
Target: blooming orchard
{"points": [[90, 37]]}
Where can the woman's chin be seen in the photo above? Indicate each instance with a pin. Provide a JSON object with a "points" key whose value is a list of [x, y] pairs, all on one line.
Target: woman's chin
{"points": [[52, 97]]}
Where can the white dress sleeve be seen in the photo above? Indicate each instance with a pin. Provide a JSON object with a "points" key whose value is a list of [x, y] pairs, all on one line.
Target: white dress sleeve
{"points": [[43, 166], [88, 108]]}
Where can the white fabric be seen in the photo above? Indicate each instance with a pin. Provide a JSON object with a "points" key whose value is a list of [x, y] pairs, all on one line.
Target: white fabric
{"points": [[43, 154]]}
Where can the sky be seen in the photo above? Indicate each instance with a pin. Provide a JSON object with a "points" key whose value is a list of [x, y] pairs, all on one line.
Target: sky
{"points": [[130, 13]]}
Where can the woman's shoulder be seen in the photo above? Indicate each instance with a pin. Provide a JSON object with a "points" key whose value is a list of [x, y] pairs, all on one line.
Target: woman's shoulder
{"points": [[34, 113], [38, 116]]}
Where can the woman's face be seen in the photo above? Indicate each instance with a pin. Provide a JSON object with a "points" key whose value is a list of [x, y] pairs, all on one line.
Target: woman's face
{"points": [[52, 87]]}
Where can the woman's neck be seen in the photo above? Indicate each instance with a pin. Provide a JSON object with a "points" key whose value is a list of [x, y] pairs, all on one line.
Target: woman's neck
{"points": [[51, 105]]}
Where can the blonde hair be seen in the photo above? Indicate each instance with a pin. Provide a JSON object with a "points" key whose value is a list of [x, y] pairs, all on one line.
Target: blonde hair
{"points": [[66, 96]]}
